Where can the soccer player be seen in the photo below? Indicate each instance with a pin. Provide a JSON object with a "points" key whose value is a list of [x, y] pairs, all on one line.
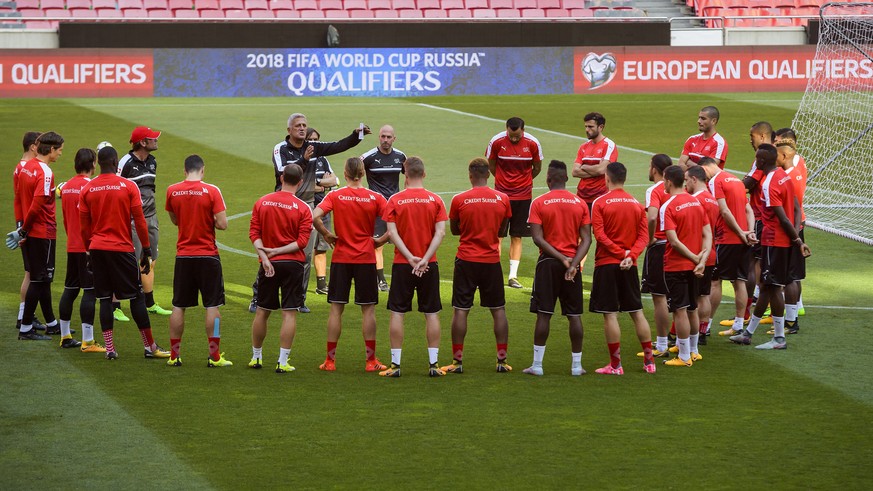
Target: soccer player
{"points": [[140, 166], [78, 274], [695, 185], [383, 164], [780, 215], [592, 159], [355, 209], [480, 217], [787, 160], [107, 207], [515, 158], [325, 179], [707, 143], [416, 221], [621, 230], [561, 228], [653, 265], [689, 240], [297, 149], [197, 208], [280, 228], [37, 234], [799, 173]]}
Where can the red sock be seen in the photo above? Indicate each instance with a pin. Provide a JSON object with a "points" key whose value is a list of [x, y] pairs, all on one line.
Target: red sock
{"points": [[175, 345], [703, 327], [501, 351], [371, 348], [647, 352], [614, 354], [147, 340], [458, 351], [214, 347], [748, 311], [107, 338], [673, 328], [331, 351]]}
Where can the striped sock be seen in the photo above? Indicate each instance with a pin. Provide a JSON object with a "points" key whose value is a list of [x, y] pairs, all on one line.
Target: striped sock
{"points": [[107, 338]]}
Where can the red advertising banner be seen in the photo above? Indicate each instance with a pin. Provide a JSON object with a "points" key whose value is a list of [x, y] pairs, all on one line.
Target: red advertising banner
{"points": [[706, 69], [76, 73]]}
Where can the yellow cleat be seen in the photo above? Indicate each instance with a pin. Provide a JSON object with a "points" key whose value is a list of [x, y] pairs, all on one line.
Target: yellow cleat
{"points": [[92, 347], [678, 362], [729, 332], [220, 362], [696, 357], [767, 320]]}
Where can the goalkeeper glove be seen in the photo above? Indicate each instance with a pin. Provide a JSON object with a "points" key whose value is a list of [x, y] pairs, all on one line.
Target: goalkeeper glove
{"points": [[14, 238], [145, 262]]}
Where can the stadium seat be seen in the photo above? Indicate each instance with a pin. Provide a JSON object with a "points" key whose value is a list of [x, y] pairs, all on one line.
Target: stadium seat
{"points": [[185, 14], [252, 5], [427, 4], [459, 13], [27, 12], [159, 13], [176, 5], [261, 14], [360, 14], [475, 4], [434, 14], [286, 14], [301, 5], [452, 4], [379, 5], [525, 4], [386, 14], [501, 4], [404, 5], [26, 4], [580, 13], [78, 4], [155, 5], [411, 14], [51, 4], [236, 14], [312, 14], [128, 4], [484, 14], [134, 13], [533, 13], [549, 4], [334, 14], [231, 5], [557, 13], [109, 14], [62, 13], [508, 13], [202, 5], [330, 4], [88, 13], [351, 5], [210, 14]]}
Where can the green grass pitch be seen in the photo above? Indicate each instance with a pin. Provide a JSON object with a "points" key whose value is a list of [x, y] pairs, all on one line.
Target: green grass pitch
{"points": [[739, 418]]}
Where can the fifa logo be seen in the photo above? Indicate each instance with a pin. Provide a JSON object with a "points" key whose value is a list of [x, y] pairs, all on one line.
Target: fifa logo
{"points": [[599, 70]]}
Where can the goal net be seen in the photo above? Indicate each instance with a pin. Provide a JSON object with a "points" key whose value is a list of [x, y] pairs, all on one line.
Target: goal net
{"points": [[834, 124]]}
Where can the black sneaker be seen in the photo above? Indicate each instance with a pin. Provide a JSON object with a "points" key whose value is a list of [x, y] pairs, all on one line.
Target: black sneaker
{"points": [[53, 330], [111, 355], [32, 335], [383, 286], [793, 328], [39, 326], [321, 290], [70, 343], [701, 339], [671, 339]]}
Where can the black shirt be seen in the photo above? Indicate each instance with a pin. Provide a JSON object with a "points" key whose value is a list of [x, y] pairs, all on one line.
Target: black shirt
{"points": [[383, 171], [284, 153], [143, 174]]}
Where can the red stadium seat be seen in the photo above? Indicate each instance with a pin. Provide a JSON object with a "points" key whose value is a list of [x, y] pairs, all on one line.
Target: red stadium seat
{"points": [[252, 5], [435, 14], [302, 5], [404, 5], [475, 4], [452, 4], [134, 13], [549, 4], [501, 4], [31, 12], [411, 14], [89, 14], [103, 4], [379, 4], [386, 14], [525, 4], [508, 13], [26, 4], [355, 5], [286, 14], [236, 14], [557, 13], [206, 5], [109, 14], [261, 14], [335, 14], [128, 4], [312, 14], [580, 13], [360, 14], [330, 4], [155, 5], [230, 5], [51, 4], [78, 4], [484, 14], [277, 5], [459, 13], [177, 5], [428, 4], [210, 14], [64, 13]]}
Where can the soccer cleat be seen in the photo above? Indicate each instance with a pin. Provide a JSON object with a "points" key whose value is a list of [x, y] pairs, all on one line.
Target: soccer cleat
{"points": [[730, 322], [328, 365], [673, 349], [649, 368], [175, 362], [729, 332], [532, 370], [253, 306], [39, 326], [220, 362], [576, 371], [656, 353], [774, 343], [767, 320], [503, 367], [766, 312], [435, 371], [801, 311], [793, 329], [608, 370], [374, 365], [32, 335], [383, 286], [118, 314], [393, 371], [744, 338], [286, 368], [92, 347], [304, 310], [111, 355], [513, 283], [696, 356], [678, 362], [157, 353], [455, 367], [157, 309], [321, 291], [701, 340], [671, 340], [52, 330], [255, 363], [69, 342]]}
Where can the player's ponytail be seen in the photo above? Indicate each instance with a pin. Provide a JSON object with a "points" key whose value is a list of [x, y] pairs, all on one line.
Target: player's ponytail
{"points": [[354, 169]]}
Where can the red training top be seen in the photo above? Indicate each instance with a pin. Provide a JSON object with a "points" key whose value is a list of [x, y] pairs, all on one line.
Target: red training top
{"points": [[776, 190], [727, 187], [710, 206], [36, 187], [279, 219], [195, 204], [561, 214], [655, 197], [70, 193], [19, 213], [106, 205], [354, 222], [591, 153], [684, 214], [620, 225], [696, 147], [514, 164], [415, 211], [480, 212]]}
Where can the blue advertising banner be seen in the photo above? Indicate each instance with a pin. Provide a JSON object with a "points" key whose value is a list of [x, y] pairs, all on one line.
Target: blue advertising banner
{"points": [[401, 72]]}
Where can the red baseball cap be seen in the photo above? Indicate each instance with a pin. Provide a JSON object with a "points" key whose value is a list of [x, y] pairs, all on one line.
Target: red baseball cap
{"points": [[140, 133]]}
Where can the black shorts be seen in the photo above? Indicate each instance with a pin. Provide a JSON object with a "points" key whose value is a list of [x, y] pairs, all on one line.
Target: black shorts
{"points": [[320, 244], [366, 283], [487, 277], [615, 290], [518, 226], [550, 286], [756, 248], [683, 288], [732, 262], [198, 274], [288, 279], [39, 259], [115, 273], [154, 235], [653, 270], [704, 284], [78, 273], [24, 259], [381, 228], [798, 262], [776, 265], [404, 284]]}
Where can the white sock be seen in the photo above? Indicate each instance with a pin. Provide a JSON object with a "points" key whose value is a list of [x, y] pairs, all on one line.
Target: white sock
{"points": [[513, 268], [65, 329], [87, 333], [692, 341], [778, 327], [283, 356], [684, 349], [757, 291], [432, 355], [799, 303], [709, 325], [577, 359], [661, 343], [539, 352], [790, 312], [20, 310], [738, 324], [753, 323], [25, 328], [395, 356], [256, 353], [52, 323]]}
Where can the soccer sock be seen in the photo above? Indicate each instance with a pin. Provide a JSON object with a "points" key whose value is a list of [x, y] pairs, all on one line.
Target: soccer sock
{"points": [[395, 356], [380, 273], [331, 350], [458, 352], [501, 351], [175, 347], [52, 323], [648, 357], [283, 356], [371, 348], [799, 303], [25, 327], [20, 310], [149, 299], [673, 328], [703, 327], [107, 338], [513, 268], [753, 324], [748, 310], [577, 359], [257, 353], [778, 327], [661, 343], [757, 292], [321, 281], [116, 305], [539, 351], [87, 333], [692, 342], [614, 354], [790, 312], [432, 355], [147, 340], [738, 324], [214, 348], [684, 349], [65, 329]]}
